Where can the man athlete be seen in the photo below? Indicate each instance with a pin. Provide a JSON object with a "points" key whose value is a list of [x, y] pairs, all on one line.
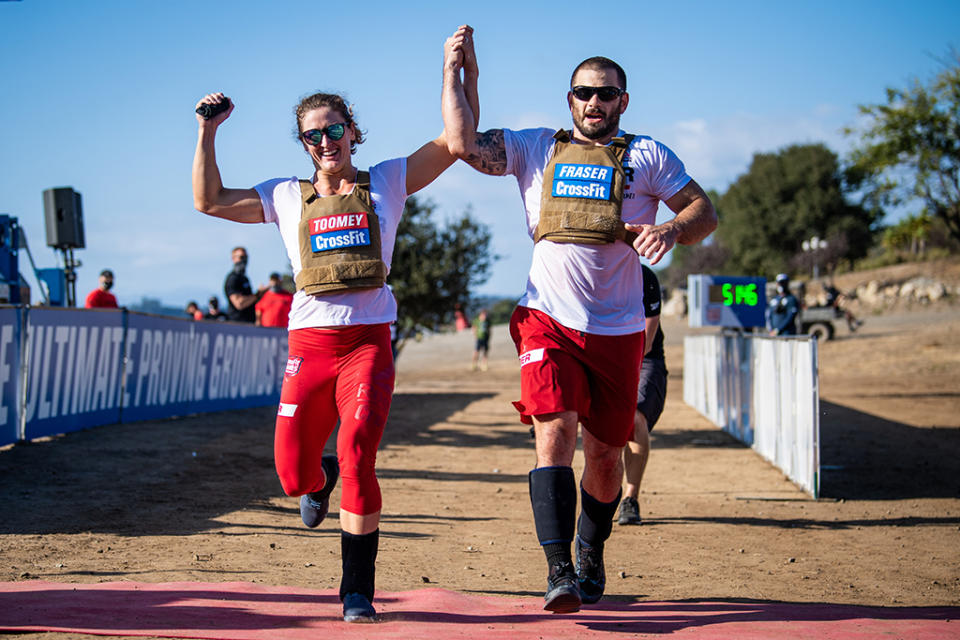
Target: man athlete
{"points": [[579, 326], [651, 395]]}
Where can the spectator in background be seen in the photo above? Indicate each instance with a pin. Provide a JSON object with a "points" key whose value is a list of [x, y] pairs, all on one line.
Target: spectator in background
{"points": [[460, 318], [101, 298], [240, 296], [481, 329], [193, 311], [273, 308], [783, 309], [213, 310], [838, 299]]}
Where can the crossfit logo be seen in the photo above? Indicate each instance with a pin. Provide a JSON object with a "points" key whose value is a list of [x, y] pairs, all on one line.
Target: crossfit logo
{"points": [[534, 355], [339, 231], [589, 181], [293, 365]]}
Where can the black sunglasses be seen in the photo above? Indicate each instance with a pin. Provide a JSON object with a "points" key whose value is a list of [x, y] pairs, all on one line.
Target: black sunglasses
{"points": [[606, 94], [313, 137]]}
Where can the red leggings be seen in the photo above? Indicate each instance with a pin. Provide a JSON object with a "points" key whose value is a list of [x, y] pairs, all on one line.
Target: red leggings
{"points": [[347, 374]]}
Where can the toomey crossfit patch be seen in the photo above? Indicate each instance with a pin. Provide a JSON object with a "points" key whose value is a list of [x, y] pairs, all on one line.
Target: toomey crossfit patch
{"points": [[339, 231], [592, 181]]}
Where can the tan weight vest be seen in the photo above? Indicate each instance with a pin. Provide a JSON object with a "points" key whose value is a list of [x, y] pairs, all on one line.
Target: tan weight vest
{"points": [[339, 249], [577, 205]]}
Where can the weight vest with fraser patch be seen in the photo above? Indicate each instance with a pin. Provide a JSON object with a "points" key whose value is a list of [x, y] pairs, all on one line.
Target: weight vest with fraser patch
{"points": [[339, 240], [582, 193]]}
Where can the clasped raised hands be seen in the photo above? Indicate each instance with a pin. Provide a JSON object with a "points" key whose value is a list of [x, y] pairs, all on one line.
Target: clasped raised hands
{"points": [[458, 51]]}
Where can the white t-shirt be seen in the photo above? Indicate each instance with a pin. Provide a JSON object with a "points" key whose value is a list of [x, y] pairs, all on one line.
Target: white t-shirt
{"points": [[282, 205], [596, 288]]}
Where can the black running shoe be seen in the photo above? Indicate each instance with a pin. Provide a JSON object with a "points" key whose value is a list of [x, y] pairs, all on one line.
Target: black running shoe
{"points": [[563, 594], [356, 608], [314, 506], [590, 573], [629, 511]]}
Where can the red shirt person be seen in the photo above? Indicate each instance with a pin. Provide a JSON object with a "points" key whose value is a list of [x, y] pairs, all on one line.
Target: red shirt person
{"points": [[101, 298], [273, 309]]}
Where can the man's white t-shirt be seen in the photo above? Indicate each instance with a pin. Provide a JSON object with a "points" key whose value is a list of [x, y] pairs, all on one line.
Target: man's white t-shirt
{"points": [[595, 288], [282, 204]]}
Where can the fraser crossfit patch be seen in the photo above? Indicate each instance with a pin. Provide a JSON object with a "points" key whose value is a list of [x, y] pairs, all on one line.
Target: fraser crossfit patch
{"points": [[339, 231], [534, 355], [591, 181]]}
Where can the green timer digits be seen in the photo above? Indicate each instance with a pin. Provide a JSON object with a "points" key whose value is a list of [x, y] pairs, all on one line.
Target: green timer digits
{"points": [[730, 294]]}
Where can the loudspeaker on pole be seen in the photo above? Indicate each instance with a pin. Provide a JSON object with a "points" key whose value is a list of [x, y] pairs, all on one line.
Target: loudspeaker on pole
{"points": [[63, 211]]}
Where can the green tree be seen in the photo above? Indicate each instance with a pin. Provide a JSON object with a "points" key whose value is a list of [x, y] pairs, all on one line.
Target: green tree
{"points": [[501, 310], [707, 258], [783, 199], [436, 267], [909, 235], [909, 148]]}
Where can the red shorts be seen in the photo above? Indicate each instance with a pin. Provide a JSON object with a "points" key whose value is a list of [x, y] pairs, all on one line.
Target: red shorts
{"points": [[343, 374], [566, 370]]}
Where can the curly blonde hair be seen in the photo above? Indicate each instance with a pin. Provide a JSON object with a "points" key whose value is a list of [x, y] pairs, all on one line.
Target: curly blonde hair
{"points": [[333, 101]]}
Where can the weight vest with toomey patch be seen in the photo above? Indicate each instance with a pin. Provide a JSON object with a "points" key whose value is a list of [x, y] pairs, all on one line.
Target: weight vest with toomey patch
{"points": [[582, 193], [339, 241]]}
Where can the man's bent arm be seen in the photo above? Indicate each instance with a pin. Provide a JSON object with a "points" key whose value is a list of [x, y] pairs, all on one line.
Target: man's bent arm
{"points": [[485, 152], [695, 220]]}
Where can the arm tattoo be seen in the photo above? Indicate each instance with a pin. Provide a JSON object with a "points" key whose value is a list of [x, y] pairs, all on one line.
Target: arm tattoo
{"points": [[491, 155]]}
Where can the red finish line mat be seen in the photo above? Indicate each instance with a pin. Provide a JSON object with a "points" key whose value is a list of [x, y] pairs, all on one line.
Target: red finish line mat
{"points": [[242, 611]]}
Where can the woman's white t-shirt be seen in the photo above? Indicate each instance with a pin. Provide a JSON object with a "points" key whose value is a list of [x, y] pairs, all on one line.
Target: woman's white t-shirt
{"points": [[282, 204]]}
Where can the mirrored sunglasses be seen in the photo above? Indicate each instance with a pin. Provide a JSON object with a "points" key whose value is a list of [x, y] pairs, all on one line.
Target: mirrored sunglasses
{"points": [[313, 137]]}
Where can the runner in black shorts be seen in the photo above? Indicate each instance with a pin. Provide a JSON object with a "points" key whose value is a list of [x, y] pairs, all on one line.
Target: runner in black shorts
{"points": [[651, 396]]}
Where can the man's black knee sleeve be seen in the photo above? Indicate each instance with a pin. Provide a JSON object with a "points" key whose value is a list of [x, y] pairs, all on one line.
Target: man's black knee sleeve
{"points": [[596, 518], [553, 495]]}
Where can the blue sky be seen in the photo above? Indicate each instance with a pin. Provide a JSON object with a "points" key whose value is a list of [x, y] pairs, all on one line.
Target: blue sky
{"points": [[99, 95]]}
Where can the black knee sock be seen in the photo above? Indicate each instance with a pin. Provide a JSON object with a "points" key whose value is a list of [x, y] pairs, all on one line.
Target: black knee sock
{"points": [[359, 555], [558, 553], [553, 495], [596, 518]]}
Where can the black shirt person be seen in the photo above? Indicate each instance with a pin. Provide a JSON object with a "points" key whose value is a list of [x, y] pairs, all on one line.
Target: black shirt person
{"points": [[239, 293]]}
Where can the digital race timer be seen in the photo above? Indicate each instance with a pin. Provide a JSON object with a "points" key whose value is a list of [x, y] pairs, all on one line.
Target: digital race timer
{"points": [[730, 294], [726, 301]]}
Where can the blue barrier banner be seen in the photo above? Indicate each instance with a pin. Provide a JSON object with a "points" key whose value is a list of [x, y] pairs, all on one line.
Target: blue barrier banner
{"points": [[9, 374], [178, 367], [74, 359]]}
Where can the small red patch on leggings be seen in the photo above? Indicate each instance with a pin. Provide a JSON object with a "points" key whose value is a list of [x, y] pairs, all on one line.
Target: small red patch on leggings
{"points": [[293, 365]]}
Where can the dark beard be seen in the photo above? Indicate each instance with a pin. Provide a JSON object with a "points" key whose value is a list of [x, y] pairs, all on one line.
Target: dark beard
{"points": [[600, 130]]}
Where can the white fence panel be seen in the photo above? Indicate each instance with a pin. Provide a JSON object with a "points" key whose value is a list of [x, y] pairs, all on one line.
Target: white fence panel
{"points": [[769, 396], [701, 365]]}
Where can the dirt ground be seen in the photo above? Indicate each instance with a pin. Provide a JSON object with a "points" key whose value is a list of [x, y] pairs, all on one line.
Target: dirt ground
{"points": [[197, 498]]}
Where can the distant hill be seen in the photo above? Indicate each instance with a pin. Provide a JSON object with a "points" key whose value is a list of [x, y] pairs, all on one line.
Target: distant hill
{"points": [[157, 308]]}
